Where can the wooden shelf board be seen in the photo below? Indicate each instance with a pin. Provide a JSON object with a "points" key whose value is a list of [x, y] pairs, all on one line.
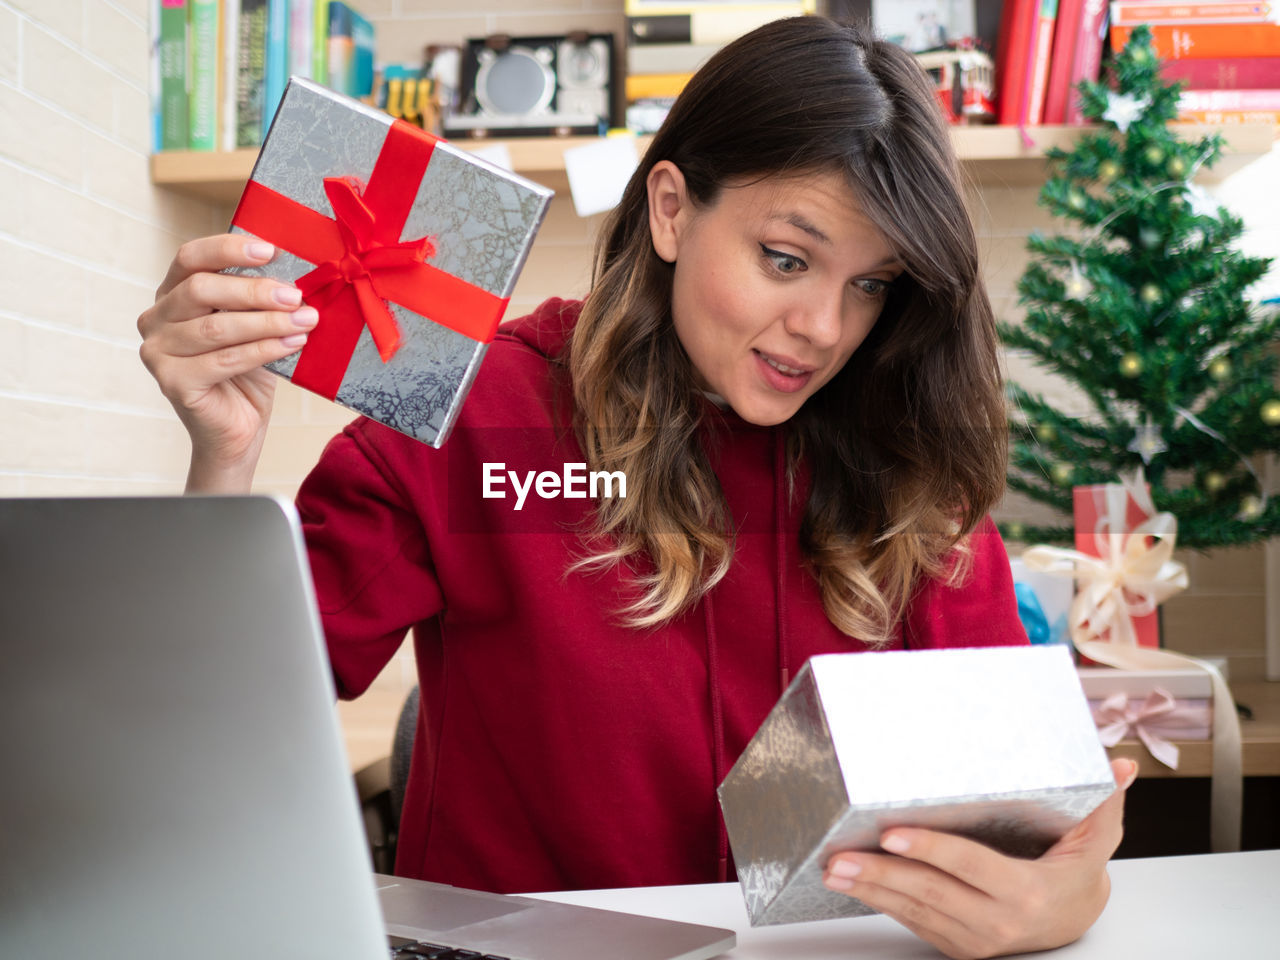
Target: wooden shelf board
{"points": [[999, 155], [991, 155]]}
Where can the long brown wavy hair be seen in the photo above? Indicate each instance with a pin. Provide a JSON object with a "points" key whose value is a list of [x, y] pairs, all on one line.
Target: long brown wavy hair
{"points": [[905, 446]]}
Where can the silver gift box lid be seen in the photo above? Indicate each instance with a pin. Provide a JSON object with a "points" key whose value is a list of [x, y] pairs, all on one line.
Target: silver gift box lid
{"points": [[994, 743]]}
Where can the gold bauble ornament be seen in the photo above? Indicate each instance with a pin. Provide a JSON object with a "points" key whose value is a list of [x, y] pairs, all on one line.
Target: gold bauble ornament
{"points": [[1150, 293], [1214, 481], [1250, 508], [1131, 365], [1153, 154], [1075, 200], [1108, 170], [1061, 473], [1271, 413], [1017, 531], [1176, 166], [1045, 433], [1220, 369]]}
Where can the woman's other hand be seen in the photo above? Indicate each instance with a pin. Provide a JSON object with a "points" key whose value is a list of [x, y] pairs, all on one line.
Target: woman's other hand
{"points": [[970, 901], [205, 340]]}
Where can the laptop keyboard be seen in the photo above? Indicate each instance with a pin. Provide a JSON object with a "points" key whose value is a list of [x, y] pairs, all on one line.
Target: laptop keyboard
{"points": [[402, 948]]}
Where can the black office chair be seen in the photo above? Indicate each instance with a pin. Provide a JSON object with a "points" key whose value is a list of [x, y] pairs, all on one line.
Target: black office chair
{"points": [[381, 786], [402, 750]]}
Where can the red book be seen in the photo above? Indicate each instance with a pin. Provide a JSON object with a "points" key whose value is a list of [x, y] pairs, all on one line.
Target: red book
{"points": [[1225, 73], [1086, 63], [1065, 35], [1207, 40], [1038, 68], [1013, 55]]}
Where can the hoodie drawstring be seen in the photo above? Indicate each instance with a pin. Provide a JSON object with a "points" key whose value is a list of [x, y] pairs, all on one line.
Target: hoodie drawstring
{"points": [[717, 735], [780, 542]]}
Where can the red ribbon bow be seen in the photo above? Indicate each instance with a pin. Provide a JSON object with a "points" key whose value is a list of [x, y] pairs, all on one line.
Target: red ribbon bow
{"points": [[365, 260], [362, 263]]}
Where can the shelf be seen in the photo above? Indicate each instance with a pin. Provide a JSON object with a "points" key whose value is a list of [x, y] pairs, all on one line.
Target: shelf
{"points": [[220, 177], [990, 155], [998, 155], [1259, 737]]}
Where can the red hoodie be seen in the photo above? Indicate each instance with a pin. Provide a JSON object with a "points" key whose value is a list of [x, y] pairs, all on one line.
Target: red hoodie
{"points": [[555, 748]]}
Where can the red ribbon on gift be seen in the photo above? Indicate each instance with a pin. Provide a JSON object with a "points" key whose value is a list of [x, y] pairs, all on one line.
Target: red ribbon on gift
{"points": [[361, 262]]}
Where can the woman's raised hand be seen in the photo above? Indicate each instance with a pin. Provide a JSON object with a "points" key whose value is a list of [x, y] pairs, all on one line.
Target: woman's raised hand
{"points": [[205, 340]]}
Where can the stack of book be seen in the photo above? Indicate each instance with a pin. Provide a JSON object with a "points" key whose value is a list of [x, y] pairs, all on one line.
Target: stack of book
{"points": [[1227, 53], [220, 66], [668, 40], [1045, 48]]}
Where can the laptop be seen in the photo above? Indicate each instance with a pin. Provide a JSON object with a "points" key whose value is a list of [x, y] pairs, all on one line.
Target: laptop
{"points": [[172, 775]]}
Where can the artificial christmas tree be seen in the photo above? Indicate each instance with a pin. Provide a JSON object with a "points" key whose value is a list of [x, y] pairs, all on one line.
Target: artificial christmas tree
{"points": [[1145, 310]]}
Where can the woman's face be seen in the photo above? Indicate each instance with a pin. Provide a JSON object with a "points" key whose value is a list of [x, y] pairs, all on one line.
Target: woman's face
{"points": [[776, 284]]}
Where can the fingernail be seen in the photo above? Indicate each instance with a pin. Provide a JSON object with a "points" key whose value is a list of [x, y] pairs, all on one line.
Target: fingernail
{"points": [[895, 843], [259, 250], [832, 882], [294, 340], [288, 296], [845, 868], [305, 316]]}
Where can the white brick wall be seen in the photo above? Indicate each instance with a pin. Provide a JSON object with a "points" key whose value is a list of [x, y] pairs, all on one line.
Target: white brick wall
{"points": [[84, 238]]}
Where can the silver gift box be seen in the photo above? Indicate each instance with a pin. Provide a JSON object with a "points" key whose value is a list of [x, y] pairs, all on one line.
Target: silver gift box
{"points": [[995, 743], [482, 218]]}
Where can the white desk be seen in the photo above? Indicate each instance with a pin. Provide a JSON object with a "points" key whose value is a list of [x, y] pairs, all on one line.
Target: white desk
{"points": [[1224, 906]]}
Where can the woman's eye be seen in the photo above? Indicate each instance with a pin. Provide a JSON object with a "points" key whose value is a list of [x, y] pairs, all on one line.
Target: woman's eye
{"points": [[783, 262], [872, 288]]}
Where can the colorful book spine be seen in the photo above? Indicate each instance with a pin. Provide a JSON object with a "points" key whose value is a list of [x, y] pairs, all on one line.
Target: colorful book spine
{"points": [[1225, 73], [1204, 40], [1013, 53], [668, 57], [1038, 67], [251, 73], [277, 72], [1087, 59], [1221, 117], [341, 47], [645, 85], [202, 134], [228, 95], [301, 24], [1130, 13], [362, 56], [175, 105], [1065, 35], [153, 75], [1240, 100], [320, 41]]}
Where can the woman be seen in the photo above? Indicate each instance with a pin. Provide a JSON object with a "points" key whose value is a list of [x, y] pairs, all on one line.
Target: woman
{"points": [[788, 354]]}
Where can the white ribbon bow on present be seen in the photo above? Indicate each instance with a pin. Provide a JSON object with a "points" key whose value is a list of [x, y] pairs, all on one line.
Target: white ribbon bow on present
{"points": [[1133, 574]]}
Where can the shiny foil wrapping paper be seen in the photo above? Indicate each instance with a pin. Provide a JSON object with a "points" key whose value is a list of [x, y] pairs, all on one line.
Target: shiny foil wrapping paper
{"points": [[482, 219], [997, 744]]}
